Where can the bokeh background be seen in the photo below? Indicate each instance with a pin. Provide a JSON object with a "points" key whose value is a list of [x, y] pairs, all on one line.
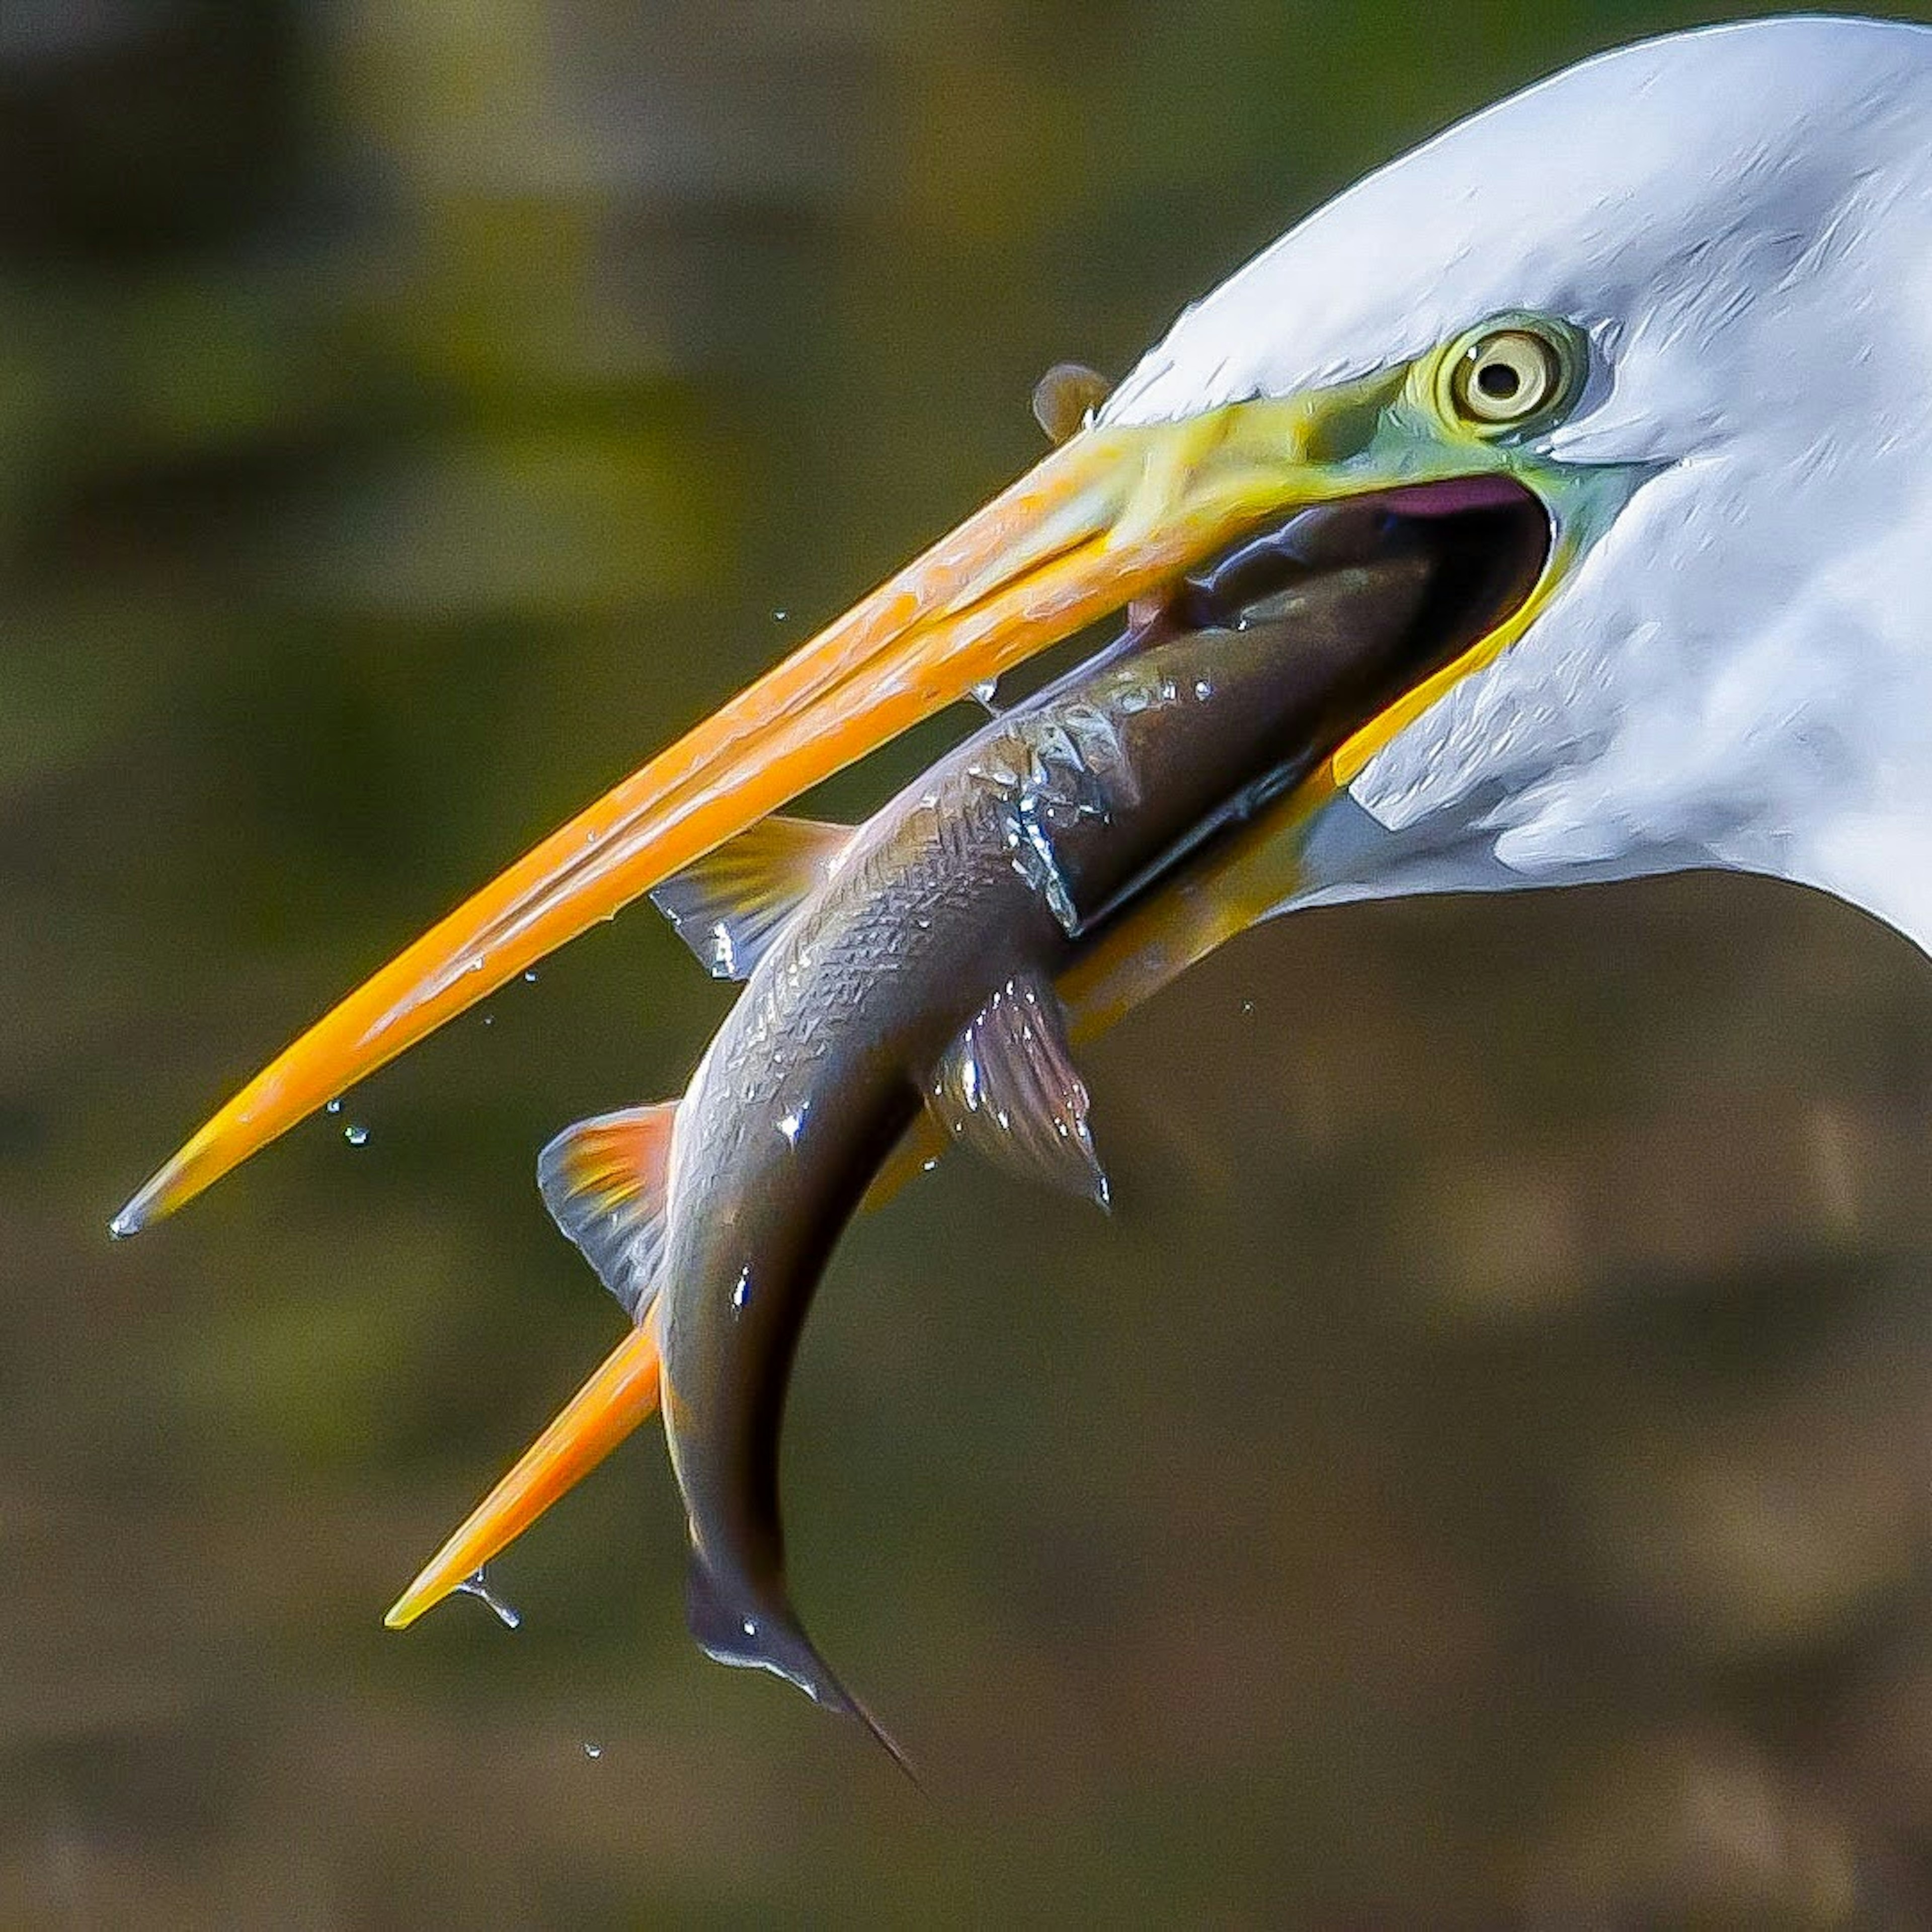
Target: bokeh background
{"points": [[1479, 1474]]}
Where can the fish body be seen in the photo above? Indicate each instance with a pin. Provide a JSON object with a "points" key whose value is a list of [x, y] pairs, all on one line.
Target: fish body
{"points": [[918, 970], [919, 974], [913, 964]]}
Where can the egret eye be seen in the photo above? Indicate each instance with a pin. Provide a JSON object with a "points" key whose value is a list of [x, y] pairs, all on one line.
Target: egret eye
{"points": [[1505, 377]]}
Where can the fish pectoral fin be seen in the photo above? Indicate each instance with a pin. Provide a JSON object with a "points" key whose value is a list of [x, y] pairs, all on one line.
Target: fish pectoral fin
{"points": [[1008, 1086], [728, 907], [604, 1182]]}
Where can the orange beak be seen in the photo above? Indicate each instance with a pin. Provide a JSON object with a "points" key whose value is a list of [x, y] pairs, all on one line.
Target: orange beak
{"points": [[613, 1402], [1114, 513]]}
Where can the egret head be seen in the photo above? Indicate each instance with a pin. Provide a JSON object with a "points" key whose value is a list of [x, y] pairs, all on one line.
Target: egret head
{"points": [[1679, 297], [1729, 233]]}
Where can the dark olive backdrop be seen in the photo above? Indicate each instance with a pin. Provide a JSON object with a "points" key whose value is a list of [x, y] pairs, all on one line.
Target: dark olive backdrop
{"points": [[1480, 1472]]}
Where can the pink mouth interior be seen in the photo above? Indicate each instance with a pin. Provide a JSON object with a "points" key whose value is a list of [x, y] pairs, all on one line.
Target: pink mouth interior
{"points": [[1453, 496]]}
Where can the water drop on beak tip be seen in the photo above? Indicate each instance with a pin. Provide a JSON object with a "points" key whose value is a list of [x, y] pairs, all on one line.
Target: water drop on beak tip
{"points": [[478, 1587]]}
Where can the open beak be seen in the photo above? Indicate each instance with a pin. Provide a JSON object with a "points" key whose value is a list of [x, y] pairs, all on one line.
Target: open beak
{"points": [[1115, 513], [1426, 575], [1118, 512]]}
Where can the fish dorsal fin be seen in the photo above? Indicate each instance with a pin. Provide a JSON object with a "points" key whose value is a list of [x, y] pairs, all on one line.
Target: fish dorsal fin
{"points": [[604, 1182], [1008, 1086], [727, 907]]}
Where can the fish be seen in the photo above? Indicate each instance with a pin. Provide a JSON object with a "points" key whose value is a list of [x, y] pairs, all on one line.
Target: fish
{"points": [[910, 977]]}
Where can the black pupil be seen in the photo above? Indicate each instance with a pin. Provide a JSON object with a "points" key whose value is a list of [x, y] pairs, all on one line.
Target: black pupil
{"points": [[1498, 381]]}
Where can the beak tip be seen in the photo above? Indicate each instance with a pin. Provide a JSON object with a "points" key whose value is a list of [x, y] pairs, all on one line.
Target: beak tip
{"points": [[405, 1610], [157, 1197]]}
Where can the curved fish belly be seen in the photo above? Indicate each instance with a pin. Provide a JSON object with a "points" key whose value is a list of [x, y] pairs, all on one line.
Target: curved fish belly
{"points": [[991, 872], [812, 1080]]}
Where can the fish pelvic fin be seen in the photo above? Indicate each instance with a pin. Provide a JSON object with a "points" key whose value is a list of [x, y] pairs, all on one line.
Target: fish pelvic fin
{"points": [[605, 1182], [1008, 1086], [731, 1627], [727, 907]]}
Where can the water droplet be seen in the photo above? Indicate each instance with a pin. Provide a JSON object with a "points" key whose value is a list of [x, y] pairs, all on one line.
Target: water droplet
{"points": [[742, 1293], [1247, 1006], [530, 977], [593, 1750], [1202, 689], [489, 1019], [478, 1587], [333, 1107], [780, 616], [928, 1164], [356, 1134], [987, 690], [789, 1125], [748, 1625]]}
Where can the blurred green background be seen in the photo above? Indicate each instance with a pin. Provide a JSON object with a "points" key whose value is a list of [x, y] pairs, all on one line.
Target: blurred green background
{"points": [[1479, 1474]]}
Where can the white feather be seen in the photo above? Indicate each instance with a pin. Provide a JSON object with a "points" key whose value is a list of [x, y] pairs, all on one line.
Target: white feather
{"points": [[1740, 672]]}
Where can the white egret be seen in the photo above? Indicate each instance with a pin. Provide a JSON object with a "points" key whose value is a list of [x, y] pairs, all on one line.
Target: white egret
{"points": [[1679, 296]]}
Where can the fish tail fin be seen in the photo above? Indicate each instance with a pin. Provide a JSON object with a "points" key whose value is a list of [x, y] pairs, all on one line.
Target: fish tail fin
{"points": [[621, 1394], [765, 1636], [883, 1738], [606, 1183], [850, 1707]]}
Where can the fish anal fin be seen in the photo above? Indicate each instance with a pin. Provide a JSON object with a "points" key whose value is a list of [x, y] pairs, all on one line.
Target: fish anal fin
{"points": [[604, 1182], [728, 907], [1008, 1086]]}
